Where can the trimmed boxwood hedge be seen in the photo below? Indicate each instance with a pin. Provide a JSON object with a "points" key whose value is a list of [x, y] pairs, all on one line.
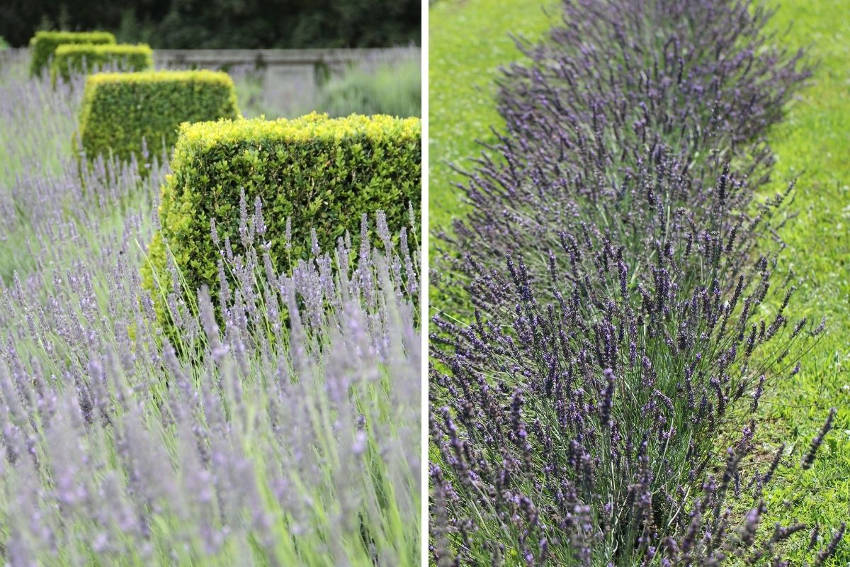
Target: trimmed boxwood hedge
{"points": [[119, 110], [84, 57], [322, 173], [44, 43]]}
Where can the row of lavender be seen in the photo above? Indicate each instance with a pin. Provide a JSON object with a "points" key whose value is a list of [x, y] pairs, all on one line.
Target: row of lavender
{"points": [[622, 304], [285, 431]]}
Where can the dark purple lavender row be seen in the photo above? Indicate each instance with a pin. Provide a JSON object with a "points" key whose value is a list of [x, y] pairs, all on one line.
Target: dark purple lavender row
{"points": [[626, 295], [629, 108]]}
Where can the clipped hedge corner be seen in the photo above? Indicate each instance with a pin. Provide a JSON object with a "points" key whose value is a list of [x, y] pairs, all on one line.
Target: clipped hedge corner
{"points": [[44, 43], [120, 110], [322, 173], [82, 58]]}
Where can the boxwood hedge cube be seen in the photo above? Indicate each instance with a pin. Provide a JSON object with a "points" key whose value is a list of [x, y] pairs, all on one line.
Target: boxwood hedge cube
{"points": [[44, 43], [120, 110], [322, 173], [85, 57]]}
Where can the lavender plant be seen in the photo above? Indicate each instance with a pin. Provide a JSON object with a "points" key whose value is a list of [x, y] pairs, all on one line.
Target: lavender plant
{"points": [[627, 113], [42, 187], [264, 443], [575, 417], [250, 452]]}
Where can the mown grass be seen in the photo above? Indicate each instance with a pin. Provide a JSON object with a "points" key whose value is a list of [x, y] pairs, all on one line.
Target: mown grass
{"points": [[469, 41], [813, 144]]}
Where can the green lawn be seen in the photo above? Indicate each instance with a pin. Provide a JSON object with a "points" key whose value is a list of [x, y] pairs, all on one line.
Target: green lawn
{"points": [[469, 42], [814, 143]]}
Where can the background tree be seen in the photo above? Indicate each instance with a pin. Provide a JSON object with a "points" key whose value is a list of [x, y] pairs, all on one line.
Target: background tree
{"points": [[247, 24]]}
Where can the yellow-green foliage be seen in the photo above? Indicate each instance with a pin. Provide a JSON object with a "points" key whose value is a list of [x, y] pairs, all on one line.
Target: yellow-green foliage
{"points": [[119, 110], [84, 57], [322, 173], [44, 43]]}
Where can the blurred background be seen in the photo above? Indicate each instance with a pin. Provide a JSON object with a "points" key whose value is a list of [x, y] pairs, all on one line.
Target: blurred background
{"points": [[287, 57], [211, 24]]}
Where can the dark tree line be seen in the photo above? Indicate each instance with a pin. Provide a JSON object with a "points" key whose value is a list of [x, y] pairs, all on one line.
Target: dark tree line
{"points": [[250, 24]]}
